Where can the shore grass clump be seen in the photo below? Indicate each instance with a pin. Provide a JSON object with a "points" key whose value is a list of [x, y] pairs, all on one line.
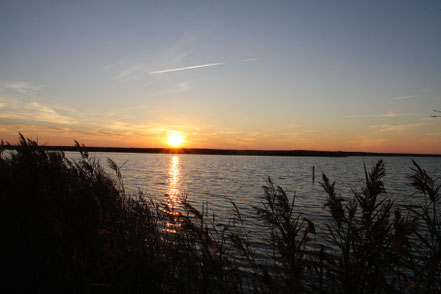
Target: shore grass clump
{"points": [[67, 227], [371, 238], [425, 260], [289, 236]]}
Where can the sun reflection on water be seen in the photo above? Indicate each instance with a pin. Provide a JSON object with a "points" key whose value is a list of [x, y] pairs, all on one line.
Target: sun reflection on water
{"points": [[173, 193], [174, 174]]}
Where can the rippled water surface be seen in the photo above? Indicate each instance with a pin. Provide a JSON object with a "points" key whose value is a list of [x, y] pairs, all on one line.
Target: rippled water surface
{"points": [[216, 180]]}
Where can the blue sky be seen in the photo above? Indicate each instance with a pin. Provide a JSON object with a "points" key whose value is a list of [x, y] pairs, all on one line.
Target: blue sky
{"points": [[325, 75]]}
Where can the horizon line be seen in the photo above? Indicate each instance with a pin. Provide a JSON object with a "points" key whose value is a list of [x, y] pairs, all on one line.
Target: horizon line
{"points": [[219, 151]]}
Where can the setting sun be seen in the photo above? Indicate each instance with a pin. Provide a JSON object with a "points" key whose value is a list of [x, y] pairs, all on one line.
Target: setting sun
{"points": [[175, 140]]}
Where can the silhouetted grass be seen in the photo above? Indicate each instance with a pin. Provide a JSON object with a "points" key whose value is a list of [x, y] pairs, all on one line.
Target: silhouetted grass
{"points": [[67, 226]]}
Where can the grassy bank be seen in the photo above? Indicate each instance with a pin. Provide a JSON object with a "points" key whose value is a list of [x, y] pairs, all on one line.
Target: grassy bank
{"points": [[67, 226]]}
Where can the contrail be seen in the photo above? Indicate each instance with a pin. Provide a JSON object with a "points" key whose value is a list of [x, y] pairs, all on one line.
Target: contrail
{"points": [[184, 68]]}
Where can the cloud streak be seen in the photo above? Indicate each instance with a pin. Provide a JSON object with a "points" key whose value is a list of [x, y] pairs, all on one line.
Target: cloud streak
{"points": [[185, 68], [19, 110], [22, 87], [403, 97], [395, 128], [380, 115]]}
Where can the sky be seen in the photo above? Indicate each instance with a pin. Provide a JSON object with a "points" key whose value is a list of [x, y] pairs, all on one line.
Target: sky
{"points": [[272, 75]]}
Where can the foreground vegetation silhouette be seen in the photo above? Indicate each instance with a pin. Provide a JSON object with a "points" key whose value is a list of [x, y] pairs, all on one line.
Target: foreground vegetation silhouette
{"points": [[67, 226]]}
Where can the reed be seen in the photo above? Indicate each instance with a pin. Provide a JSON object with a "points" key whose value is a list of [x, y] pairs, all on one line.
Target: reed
{"points": [[371, 243], [425, 260]]}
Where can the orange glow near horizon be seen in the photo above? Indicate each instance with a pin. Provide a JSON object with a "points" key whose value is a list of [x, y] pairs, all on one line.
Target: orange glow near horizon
{"points": [[415, 140]]}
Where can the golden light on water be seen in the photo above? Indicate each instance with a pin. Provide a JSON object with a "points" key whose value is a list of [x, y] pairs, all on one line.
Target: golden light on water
{"points": [[173, 193], [174, 174]]}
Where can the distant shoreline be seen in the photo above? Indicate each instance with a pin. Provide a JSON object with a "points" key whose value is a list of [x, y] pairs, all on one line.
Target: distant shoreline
{"points": [[204, 151]]}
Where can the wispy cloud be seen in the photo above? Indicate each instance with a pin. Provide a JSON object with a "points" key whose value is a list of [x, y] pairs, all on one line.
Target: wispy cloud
{"points": [[185, 68], [182, 86], [404, 97], [22, 87], [395, 128], [389, 114], [133, 72], [250, 59], [19, 110]]}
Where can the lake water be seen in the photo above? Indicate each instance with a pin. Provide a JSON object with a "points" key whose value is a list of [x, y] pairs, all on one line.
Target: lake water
{"points": [[217, 179]]}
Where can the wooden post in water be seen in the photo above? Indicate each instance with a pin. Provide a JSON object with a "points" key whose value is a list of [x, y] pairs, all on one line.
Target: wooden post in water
{"points": [[313, 173]]}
